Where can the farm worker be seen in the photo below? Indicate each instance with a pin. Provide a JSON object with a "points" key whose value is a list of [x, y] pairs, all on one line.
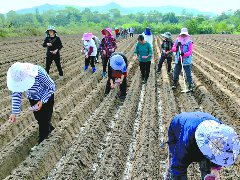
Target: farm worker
{"points": [[54, 45], [143, 52], [200, 137], [90, 51], [183, 47], [148, 35], [39, 89], [117, 74], [108, 46], [131, 31], [97, 42], [166, 49], [117, 32]]}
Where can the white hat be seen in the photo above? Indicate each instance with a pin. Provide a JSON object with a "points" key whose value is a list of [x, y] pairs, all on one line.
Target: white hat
{"points": [[218, 142], [184, 31], [21, 76], [117, 62]]}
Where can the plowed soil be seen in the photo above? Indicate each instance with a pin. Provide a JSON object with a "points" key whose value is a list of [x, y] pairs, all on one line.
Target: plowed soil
{"points": [[103, 137]]}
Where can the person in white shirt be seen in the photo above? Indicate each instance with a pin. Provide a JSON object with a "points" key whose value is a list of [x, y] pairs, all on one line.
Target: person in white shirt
{"points": [[90, 51]]}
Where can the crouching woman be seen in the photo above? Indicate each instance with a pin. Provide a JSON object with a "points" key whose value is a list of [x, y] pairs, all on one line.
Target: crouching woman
{"points": [[200, 137]]}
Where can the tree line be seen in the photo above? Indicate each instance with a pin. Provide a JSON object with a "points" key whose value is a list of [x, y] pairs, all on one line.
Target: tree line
{"points": [[73, 21]]}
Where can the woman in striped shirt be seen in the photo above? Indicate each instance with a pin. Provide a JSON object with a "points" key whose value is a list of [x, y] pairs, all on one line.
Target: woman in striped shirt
{"points": [[39, 89]]}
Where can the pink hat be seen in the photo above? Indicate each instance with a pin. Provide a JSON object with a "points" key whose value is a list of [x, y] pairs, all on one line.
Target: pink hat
{"points": [[107, 29], [184, 31], [87, 36]]}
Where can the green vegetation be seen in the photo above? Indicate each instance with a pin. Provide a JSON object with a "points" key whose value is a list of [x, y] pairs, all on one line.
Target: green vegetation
{"points": [[73, 21]]}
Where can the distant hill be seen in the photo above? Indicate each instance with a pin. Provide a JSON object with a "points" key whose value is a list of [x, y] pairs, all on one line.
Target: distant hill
{"points": [[124, 10]]}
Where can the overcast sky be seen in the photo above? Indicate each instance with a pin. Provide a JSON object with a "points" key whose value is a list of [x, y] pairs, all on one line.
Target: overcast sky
{"points": [[216, 6]]}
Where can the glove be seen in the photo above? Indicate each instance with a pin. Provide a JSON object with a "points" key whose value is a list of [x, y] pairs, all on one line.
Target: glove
{"points": [[182, 54]]}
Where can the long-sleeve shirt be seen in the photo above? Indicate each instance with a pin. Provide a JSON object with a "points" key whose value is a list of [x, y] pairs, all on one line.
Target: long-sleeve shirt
{"points": [[42, 90], [143, 50], [181, 140], [109, 45], [56, 44], [112, 72]]}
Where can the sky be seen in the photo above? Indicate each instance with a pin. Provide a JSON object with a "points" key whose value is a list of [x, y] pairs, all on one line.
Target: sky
{"points": [[217, 6]]}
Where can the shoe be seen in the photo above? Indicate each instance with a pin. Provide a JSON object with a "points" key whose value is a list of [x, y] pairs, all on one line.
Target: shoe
{"points": [[122, 97], [174, 86], [190, 87], [169, 73], [104, 74], [96, 61], [158, 71], [93, 69], [60, 77], [85, 68]]}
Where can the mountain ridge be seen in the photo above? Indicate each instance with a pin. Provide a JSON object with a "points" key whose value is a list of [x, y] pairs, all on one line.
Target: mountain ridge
{"points": [[124, 10]]}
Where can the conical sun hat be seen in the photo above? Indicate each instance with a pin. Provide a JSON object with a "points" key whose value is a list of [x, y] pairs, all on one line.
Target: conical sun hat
{"points": [[117, 62], [218, 142], [21, 76]]}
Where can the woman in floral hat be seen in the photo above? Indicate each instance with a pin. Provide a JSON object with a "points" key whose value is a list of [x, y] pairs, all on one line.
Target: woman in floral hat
{"points": [[39, 88], [200, 137], [108, 46]]}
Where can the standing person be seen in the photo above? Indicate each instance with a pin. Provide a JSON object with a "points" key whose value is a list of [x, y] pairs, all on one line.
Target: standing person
{"points": [[39, 89], [183, 47], [97, 42], [108, 46], [131, 31], [117, 32], [200, 137], [143, 52], [54, 45], [117, 74], [148, 35], [90, 51], [166, 49]]}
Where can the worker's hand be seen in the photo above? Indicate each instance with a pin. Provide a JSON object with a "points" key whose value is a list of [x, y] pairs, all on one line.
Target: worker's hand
{"points": [[216, 173], [182, 54], [39, 104], [104, 52], [13, 118], [49, 44]]}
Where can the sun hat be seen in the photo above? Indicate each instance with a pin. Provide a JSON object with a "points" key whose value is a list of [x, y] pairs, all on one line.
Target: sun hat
{"points": [[21, 76], [218, 142], [167, 35], [51, 28], [117, 62], [87, 36], [107, 29], [184, 31]]}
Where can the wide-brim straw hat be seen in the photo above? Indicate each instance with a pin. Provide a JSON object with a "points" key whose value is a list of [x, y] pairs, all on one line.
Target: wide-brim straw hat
{"points": [[218, 142], [117, 62], [87, 36], [21, 76], [184, 31]]}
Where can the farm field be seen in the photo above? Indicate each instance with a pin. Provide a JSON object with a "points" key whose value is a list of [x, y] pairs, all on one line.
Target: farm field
{"points": [[98, 137]]}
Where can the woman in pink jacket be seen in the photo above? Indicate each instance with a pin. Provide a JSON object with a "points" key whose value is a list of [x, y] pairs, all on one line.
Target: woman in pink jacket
{"points": [[183, 48]]}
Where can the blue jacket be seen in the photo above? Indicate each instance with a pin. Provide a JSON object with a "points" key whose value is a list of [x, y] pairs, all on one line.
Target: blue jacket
{"points": [[183, 149]]}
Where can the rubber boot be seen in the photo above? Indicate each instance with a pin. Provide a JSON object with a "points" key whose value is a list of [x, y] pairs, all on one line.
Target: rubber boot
{"points": [[190, 87], [93, 69], [85, 68]]}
